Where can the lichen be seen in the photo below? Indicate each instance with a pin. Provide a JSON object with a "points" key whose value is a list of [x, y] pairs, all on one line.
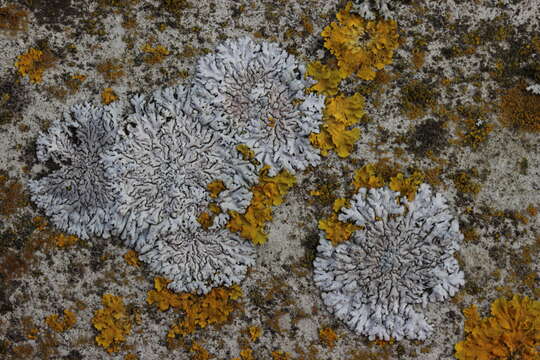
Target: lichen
{"points": [[252, 93], [361, 46], [13, 19], [108, 96], [520, 109], [367, 8], [33, 63], [511, 332], [337, 133], [12, 196], [78, 197], [162, 167], [401, 256], [68, 321], [112, 322], [327, 77], [267, 193], [328, 337], [156, 54], [132, 258]]}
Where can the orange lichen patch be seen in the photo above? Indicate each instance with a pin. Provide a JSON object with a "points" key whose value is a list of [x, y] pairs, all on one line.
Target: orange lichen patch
{"points": [[110, 69], [406, 186], [112, 322], [328, 337], [154, 54], [199, 310], [130, 356], [327, 77], [367, 177], [337, 231], [280, 355], [68, 321], [12, 196], [532, 211], [361, 46], [210, 309], [476, 132], [62, 240], [33, 63], [512, 332], [12, 18], [520, 109], [200, 353], [267, 193], [463, 182], [254, 333], [108, 96], [215, 187], [132, 258], [247, 153], [206, 220], [245, 354], [340, 113]]}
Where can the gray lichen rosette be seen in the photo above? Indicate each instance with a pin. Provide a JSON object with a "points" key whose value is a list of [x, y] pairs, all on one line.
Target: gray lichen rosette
{"points": [[253, 93], [401, 258], [162, 166], [78, 196], [197, 260]]}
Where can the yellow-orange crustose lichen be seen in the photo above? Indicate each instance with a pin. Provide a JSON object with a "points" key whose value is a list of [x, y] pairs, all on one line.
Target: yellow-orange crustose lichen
{"points": [[132, 258], [66, 323], [108, 96], [340, 114], [335, 230], [62, 240], [327, 77], [267, 193], [112, 322], [33, 63], [520, 109], [328, 337], [154, 54], [361, 46], [199, 310], [512, 332]]}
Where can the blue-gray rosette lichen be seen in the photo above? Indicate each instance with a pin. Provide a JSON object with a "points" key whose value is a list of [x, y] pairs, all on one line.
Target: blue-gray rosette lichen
{"points": [[78, 196], [197, 260], [254, 94], [162, 166], [401, 257], [367, 8]]}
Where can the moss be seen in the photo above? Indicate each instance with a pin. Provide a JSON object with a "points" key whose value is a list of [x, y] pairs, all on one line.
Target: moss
{"points": [[520, 109], [417, 97]]}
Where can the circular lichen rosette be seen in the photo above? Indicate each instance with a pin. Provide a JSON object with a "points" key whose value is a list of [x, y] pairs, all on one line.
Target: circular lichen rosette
{"points": [[163, 168], [401, 256], [253, 93], [197, 260], [78, 196]]}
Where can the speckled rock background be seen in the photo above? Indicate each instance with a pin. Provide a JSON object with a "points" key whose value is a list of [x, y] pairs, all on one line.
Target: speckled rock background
{"points": [[467, 54]]}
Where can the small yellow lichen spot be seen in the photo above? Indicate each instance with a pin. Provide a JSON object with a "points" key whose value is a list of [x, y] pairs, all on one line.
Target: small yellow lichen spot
{"points": [[108, 96], [254, 332], [130, 356], [155, 54], [81, 78], [337, 231], [216, 187], [512, 332], [132, 258], [206, 220], [246, 354], [361, 46], [280, 355], [200, 352], [247, 153], [32, 64], [367, 177], [267, 193], [63, 240], [407, 186], [112, 322], [328, 337], [328, 78], [66, 323]]}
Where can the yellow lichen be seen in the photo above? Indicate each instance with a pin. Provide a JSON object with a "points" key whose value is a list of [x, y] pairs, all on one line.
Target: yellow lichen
{"points": [[154, 54], [254, 333], [13, 18], [512, 332], [464, 184], [199, 310], [406, 186], [132, 258], [361, 46], [112, 322], [200, 352], [215, 187], [63, 240], [108, 96], [337, 231], [367, 177], [520, 109], [340, 113], [280, 355], [327, 77], [33, 63], [61, 325], [267, 193], [245, 354], [328, 337], [111, 69], [247, 153]]}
